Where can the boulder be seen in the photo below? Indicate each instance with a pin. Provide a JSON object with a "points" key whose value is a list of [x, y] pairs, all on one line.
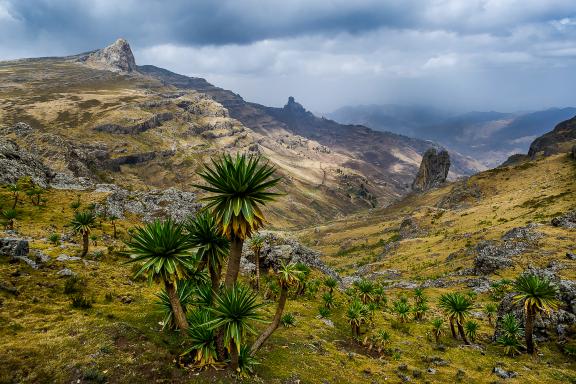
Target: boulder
{"points": [[503, 374], [491, 257], [433, 170], [12, 246], [66, 272]]}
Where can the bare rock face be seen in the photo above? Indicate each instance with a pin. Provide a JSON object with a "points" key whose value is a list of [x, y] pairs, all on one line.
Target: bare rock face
{"points": [[157, 204], [16, 163], [117, 57], [433, 170]]}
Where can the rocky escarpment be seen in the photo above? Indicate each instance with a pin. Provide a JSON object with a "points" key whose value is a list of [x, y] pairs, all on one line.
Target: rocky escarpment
{"points": [[16, 163], [153, 122], [117, 57], [561, 139], [433, 170]]}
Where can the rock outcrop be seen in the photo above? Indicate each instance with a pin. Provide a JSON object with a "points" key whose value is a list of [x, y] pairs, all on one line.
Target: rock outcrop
{"points": [[463, 193], [491, 255], [558, 322], [567, 220], [433, 170], [561, 139], [16, 163], [153, 122], [117, 57], [277, 249], [170, 203]]}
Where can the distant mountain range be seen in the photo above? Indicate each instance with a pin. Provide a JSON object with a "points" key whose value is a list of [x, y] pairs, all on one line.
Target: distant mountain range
{"points": [[489, 137]]}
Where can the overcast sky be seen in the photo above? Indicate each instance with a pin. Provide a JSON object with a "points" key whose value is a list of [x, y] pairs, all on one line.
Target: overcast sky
{"points": [[459, 54]]}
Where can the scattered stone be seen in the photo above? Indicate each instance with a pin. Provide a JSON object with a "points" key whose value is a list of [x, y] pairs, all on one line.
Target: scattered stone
{"points": [[65, 258], [503, 374], [66, 272], [25, 259], [431, 371], [12, 290], [41, 257], [126, 299], [571, 256], [328, 322], [433, 170]]}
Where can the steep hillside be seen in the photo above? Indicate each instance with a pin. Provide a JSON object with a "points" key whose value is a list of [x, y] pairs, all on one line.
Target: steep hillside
{"points": [[98, 115]]}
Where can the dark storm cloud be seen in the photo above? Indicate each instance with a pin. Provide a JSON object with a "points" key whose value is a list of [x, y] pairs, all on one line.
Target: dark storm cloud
{"points": [[501, 54], [200, 22]]}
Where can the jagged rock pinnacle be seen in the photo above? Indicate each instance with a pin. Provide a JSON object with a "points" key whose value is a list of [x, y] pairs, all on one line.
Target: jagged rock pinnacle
{"points": [[433, 170], [117, 57], [293, 106]]}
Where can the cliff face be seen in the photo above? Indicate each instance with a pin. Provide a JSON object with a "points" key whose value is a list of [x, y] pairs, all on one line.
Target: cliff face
{"points": [[433, 170]]}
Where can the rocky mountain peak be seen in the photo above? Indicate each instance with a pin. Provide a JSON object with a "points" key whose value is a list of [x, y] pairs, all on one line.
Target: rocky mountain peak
{"points": [[116, 57], [293, 106], [433, 170]]}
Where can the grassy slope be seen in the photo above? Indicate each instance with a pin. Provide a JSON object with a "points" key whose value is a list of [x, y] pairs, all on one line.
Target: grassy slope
{"points": [[45, 340]]}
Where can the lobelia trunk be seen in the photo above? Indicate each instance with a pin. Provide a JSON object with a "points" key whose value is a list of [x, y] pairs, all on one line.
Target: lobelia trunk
{"points": [[215, 274], [274, 324], [85, 244], [177, 311], [452, 329], [462, 333], [529, 329], [234, 357], [214, 279], [233, 262]]}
